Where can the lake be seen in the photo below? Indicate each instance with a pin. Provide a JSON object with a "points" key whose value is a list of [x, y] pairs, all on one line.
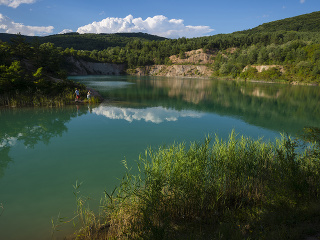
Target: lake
{"points": [[45, 151]]}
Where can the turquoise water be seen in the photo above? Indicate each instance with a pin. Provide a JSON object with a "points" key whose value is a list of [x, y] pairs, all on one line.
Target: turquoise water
{"points": [[43, 152]]}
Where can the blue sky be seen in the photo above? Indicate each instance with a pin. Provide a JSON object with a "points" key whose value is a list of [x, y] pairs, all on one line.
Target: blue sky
{"points": [[168, 18]]}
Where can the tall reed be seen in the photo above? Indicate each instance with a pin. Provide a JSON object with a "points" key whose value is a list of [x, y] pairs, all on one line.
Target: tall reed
{"points": [[190, 191]]}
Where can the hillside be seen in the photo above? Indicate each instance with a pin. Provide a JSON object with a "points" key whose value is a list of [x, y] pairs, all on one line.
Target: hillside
{"points": [[303, 23], [88, 41], [301, 27], [271, 52], [91, 41]]}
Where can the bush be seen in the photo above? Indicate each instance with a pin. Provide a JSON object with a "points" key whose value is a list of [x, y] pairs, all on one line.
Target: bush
{"points": [[249, 73]]}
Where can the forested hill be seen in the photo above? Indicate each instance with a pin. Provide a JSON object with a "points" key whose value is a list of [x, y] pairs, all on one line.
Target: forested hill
{"points": [[307, 23], [303, 23], [89, 41]]}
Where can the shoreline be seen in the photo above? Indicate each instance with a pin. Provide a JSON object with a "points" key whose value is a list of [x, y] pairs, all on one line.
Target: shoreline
{"points": [[282, 81], [95, 93]]}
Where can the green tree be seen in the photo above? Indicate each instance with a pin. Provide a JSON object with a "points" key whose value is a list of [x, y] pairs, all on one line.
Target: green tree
{"points": [[19, 47]]}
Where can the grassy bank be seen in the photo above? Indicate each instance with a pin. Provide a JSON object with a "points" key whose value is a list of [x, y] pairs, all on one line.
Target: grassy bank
{"points": [[49, 94], [234, 189], [35, 75]]}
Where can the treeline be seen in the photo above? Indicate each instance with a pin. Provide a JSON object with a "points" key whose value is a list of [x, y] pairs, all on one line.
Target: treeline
{"points": [[143, 50], [295, 60], [303, 23], [32, 74], [291, 43], [87, 41], [97, 41], [297, 52]]}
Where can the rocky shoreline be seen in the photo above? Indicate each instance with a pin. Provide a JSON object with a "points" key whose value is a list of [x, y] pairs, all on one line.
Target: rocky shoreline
{"points": [[195, 64]]}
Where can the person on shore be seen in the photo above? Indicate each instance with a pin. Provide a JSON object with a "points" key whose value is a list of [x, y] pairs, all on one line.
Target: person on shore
{"points": [[89, 95], [77, 94]]}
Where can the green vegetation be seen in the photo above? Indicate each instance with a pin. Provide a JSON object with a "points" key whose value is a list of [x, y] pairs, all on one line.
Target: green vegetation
{"points": [[97, 41], [290, 46], [297, 23], [32, 75], [294, 54], [234, 189], [80, 41]]}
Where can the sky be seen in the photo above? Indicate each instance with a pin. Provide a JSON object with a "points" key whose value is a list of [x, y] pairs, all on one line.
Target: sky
{"points": [[166, 18]]}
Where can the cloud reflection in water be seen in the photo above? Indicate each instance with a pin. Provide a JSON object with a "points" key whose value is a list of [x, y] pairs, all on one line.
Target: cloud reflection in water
{"points": [[154, 114], [9, 141]]}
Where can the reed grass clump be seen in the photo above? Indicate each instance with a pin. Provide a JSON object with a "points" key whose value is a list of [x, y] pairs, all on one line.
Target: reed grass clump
{"points": [[235, 189], [45, 93]]}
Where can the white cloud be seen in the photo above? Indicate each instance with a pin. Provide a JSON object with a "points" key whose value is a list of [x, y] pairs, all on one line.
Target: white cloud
{"points": [[9, 26], [155, 115], [158, 25], [15, 3], [65, 31], [302, 1]]}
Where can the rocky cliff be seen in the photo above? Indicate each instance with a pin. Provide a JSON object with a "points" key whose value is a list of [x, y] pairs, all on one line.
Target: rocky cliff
{"points": [[196, 63], [174, 71], [81, 67], [192, 65]]}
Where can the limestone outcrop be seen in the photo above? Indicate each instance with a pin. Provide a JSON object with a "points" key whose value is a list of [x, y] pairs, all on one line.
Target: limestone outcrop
{"points": [[174, 71], [192, 65], [261, 68], [195, 63], [195, 57]]}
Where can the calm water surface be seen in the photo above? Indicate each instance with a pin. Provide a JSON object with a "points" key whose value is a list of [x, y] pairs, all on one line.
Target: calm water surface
{"points": [[43, 152]]}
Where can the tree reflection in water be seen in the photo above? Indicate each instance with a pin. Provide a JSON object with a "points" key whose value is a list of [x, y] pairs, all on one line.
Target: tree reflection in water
{"points": [[31, 126], [278, 107], [4, 159]]}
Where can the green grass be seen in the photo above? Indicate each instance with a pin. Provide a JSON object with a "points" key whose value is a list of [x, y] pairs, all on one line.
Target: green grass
{"points": [[235, 189], [66, 97], [22, 100]]}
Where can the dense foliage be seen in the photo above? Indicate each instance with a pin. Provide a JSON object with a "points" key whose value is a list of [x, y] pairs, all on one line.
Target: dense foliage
{"points": [[294, 52], [88, 41], [297, 23], [97, 41], [28, 75]]}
